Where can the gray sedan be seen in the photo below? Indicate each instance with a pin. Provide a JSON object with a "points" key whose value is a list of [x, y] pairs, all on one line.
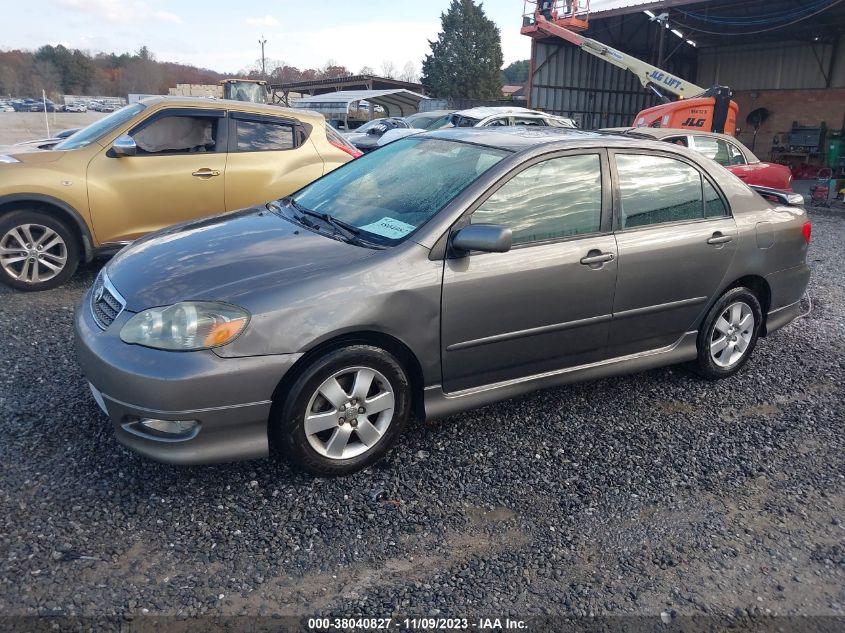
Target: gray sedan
{"points": [[446, 271]]}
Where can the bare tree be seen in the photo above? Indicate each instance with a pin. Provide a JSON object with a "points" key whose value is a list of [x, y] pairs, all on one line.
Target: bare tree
{"points": [[388, 69], [366, 70], [409, 73]]}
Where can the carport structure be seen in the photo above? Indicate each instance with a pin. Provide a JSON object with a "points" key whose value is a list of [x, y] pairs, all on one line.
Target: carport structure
{"points": [[335, 105]]}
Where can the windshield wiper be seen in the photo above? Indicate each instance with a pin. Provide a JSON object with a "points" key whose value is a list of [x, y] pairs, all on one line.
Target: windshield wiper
{"points": [[300, 217], [349, 232]]}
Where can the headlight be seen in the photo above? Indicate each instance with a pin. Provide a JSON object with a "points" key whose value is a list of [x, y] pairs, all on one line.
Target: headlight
{"points": [[5, 158], [186, 326]]}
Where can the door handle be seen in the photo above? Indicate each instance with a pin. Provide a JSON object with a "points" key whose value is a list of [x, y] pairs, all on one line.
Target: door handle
{"points": [[719, 239], [205, 173], [595, 259]]}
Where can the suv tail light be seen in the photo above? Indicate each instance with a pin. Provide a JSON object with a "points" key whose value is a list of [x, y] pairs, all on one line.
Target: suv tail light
{"points": [[336, 140], [806, 231]]}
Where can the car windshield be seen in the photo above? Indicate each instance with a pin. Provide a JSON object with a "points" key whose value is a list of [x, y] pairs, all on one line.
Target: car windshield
{"points": [[428, 121], [98, 129], [390, 193]]}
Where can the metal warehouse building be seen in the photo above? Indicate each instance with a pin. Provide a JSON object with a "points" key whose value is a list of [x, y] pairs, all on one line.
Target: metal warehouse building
{"points": [[785, 56]]}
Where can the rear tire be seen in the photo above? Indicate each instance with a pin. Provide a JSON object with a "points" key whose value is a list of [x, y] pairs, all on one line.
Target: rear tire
{"points": [[345, 411], [729, 334], [37, 251]]}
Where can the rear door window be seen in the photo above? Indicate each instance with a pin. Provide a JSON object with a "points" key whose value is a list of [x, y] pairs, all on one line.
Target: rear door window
{"points": [[657, 190], [536, 121], [264, 135], [736, 156], [713, 148]]}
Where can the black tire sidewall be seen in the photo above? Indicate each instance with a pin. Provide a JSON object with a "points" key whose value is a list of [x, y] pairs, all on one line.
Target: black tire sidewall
{"points": [[705, 364], [289, 428], [24, 216]]}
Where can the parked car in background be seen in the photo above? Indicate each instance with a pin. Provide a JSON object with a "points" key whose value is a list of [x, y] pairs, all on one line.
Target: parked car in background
{"points": [[507, 116], [493, 116], [366, 138], [725, 150], [433, 120], [76, 107], [149, 165], [23, 105], [519, 260], [41, 106], [6, 107]]}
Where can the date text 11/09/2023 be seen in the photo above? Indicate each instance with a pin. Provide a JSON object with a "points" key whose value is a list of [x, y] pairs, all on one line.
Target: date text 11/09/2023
{"points": [[415, 624]]}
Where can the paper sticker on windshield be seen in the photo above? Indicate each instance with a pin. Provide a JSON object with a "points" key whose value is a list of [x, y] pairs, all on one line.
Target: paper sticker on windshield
{"points": [[389, 227]]}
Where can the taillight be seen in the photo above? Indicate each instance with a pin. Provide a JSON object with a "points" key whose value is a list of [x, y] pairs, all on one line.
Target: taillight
{"points": [[354, 152], [336, 140], [806, 231]]}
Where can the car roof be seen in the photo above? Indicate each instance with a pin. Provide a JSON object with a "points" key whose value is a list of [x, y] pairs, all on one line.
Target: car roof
{"points": [[519, 138], [434, 113], [666, 132], [240, 106], [482, 112], [663, 132]]}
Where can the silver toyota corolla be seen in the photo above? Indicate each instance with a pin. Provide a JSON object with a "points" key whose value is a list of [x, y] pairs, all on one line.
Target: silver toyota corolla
{"points": [[442, 272]]}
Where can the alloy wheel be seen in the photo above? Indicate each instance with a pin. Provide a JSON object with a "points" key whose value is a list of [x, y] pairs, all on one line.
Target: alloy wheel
{"points": [[32, 253], [349, 413], [732, 334]]}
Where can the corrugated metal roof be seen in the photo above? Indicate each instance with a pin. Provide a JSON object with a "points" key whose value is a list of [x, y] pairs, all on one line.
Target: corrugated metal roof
{"points": [[398, 102], [605, 8]]}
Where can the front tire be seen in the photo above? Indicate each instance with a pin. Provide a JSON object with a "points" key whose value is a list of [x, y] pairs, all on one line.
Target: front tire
{"points": [[345, 411], [37, 251], [729, 334]]}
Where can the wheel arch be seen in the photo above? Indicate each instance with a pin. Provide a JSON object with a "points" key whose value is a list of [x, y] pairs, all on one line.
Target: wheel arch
{"points": [[62, 210], [761, 289], [388, 343]]}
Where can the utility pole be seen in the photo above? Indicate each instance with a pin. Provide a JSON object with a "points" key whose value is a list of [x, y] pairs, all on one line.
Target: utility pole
{"points": [[263, 41]]}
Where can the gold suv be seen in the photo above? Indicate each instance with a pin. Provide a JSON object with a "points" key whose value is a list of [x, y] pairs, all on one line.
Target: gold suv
{"points": [[151, 164]]}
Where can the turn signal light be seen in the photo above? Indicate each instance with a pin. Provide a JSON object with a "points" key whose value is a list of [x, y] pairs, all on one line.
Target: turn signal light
{"points": [[807, 230], [223, 332]]}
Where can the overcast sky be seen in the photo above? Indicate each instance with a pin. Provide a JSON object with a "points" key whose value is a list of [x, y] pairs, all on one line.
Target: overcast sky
{"points": [[223, 35]]}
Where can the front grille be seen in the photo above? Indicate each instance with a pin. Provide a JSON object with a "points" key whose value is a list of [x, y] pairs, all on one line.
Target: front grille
{"points": [[106, 302]]}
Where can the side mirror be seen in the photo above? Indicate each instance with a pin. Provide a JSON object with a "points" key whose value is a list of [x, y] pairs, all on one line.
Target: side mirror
{"points": [[487, 238], [124, 146]]}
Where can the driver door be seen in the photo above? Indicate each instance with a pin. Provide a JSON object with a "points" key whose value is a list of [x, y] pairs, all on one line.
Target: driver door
{"points": [[175, 176], [547, 303]]}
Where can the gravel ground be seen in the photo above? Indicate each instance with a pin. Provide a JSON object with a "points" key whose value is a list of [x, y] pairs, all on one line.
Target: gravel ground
{"points": [[648, 494]]}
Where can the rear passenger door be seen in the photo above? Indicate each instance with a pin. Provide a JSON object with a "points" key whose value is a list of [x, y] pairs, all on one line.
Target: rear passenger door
{"points": [[676, 239], [269, 157], [546, 304]]}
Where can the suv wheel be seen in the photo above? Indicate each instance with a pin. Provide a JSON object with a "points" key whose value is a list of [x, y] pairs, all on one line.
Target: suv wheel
{"points": [[729, 334], [345, 411], [37, 251]]}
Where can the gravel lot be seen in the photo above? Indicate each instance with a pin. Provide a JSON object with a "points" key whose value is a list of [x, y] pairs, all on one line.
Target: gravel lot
{"points": [[639, 495]]}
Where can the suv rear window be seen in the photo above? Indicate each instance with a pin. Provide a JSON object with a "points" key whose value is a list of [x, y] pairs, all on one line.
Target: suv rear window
{"points": [[263, 136]]}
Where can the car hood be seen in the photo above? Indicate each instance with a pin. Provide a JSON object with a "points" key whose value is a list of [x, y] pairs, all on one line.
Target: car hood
{"points": [[224, 257], [27, 153]]}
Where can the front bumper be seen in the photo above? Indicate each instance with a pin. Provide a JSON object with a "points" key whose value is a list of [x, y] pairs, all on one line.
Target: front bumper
{"points": [[230, 398]]}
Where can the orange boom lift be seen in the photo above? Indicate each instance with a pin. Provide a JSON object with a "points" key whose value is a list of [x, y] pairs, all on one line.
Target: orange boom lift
{"points": [[712, 109]]}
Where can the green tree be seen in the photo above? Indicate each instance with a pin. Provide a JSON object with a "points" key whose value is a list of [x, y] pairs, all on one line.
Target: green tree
{"points": [[516, 72], [75, 70], [466, 58]]}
